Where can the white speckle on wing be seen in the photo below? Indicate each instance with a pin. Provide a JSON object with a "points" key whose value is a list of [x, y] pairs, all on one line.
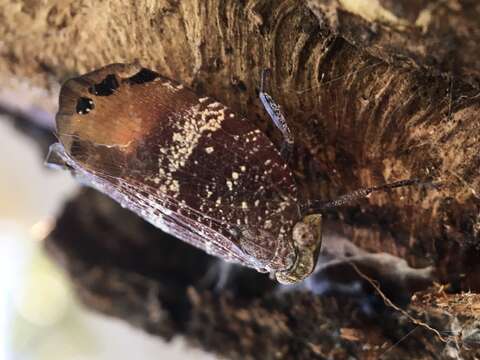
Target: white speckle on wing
{"points": [[174, 187], [214, 105], [170, 86], [268, 224], [195, 123]]}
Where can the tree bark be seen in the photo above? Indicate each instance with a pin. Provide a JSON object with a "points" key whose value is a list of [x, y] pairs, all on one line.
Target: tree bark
{"points": [[375, 91]]}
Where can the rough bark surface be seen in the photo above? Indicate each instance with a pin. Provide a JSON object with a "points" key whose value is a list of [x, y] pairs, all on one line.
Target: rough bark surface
{"points": [[375, 91]]}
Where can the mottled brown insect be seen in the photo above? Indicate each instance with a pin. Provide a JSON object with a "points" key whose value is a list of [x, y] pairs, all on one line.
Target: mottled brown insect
{"points": [[190, 166]]}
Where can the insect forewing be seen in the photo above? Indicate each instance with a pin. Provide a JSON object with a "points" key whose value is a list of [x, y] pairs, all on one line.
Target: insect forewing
{"points": [[188, 164]]}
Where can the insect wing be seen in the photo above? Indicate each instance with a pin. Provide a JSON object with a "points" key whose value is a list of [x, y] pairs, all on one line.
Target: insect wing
{"points": [[166, 153]]}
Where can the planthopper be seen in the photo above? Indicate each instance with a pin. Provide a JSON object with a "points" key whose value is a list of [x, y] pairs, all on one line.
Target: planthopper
{"points": [[192, 167]]}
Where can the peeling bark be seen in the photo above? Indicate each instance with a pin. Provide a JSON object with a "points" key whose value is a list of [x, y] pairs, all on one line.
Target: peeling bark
{"points": [[374, 91]]}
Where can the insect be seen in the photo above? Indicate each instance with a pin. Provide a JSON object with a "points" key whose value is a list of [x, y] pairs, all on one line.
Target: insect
{"points": [[192, 167]]}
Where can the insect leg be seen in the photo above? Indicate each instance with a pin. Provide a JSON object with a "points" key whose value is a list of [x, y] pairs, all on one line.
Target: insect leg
{"points": [[275, 113]]}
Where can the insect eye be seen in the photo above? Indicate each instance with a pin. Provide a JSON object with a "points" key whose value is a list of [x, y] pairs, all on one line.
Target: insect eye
{"points": [[106, 87], [84, 105]]}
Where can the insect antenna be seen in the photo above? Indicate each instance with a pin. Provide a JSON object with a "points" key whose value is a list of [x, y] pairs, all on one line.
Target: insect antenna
{"points": [[316, 206]]}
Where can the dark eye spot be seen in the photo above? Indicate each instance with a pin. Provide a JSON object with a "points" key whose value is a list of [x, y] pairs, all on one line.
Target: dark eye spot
{"points": [[84, 105], [106, 87], [143, 76]]}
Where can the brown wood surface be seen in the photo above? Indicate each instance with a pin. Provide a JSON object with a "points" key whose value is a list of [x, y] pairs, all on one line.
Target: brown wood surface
{"points": [[375, 91]]}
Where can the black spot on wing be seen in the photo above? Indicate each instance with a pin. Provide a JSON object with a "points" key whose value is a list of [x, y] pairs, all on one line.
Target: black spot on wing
{"points": [[143, 76], [84, 105], [106, 87]]}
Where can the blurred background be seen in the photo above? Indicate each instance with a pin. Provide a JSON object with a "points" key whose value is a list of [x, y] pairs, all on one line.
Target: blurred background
{"points": [[39, 316]]}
